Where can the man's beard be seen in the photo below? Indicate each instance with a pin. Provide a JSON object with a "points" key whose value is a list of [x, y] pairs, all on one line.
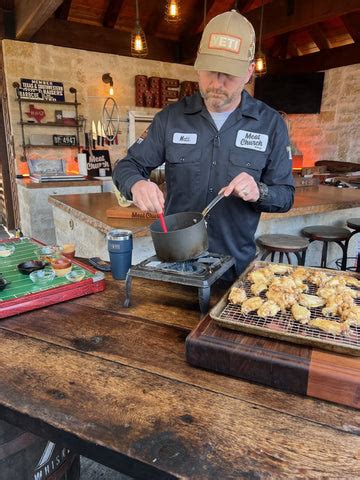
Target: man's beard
{"points": [[217, 98]]}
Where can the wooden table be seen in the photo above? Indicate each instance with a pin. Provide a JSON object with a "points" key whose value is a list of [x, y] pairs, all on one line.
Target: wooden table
{"points": [[113, 384]]}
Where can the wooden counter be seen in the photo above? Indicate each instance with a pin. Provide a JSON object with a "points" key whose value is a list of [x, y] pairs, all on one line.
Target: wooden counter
{"points": [[83, 218], [113, 384], [308, 200]]}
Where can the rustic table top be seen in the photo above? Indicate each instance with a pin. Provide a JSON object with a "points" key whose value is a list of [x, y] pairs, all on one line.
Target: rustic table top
{"points": [[114, 385], [91, 207]]}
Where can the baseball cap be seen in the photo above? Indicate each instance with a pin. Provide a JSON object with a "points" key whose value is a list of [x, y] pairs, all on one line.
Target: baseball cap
{"points": [[227, 45]]}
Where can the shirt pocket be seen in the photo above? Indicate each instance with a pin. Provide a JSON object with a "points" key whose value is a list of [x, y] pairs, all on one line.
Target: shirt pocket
{"points": [[182, 168], [251, 162]]}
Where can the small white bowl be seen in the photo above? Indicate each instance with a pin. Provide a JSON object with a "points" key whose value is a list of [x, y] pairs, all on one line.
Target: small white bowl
{"points": [[42, 277], [6, 249]]}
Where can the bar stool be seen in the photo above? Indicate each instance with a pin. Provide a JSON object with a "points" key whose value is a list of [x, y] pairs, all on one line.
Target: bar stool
{"points": [[354, 224], [280, 243], [326, 234]]}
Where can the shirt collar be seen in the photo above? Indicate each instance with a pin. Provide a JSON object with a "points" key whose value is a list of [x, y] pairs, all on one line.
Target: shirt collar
{"points": [[248, 107]]}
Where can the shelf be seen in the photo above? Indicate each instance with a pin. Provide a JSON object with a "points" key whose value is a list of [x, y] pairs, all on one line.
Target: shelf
{"points": [[29, 145], [22, 100], [49, 124]]}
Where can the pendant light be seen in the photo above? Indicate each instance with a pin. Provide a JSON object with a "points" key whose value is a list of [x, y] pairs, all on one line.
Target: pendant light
{"points": [[260, 59], [138, 40], [172, 11]]}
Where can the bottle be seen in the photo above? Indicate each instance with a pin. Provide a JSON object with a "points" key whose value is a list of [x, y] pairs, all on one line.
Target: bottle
{"points": [[18, 233]]}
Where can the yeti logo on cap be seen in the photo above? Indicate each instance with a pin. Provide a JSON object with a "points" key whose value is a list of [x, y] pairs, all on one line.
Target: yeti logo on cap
{"points": [[219, 41]]}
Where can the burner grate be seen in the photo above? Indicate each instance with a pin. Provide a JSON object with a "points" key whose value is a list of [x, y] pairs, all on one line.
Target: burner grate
{"points": [[201, 272]]}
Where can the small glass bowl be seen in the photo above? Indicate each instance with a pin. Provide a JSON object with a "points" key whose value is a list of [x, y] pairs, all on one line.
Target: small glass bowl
{"points": [[42, 277], [6, 250], [75, 275], [48, 253]]}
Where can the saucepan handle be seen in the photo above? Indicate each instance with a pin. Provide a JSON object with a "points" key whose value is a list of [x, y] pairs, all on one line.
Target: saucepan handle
{"points": [[212, 204]]}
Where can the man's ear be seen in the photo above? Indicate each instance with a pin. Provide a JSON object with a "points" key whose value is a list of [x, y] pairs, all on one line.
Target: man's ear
{"points": [[250, 72]]}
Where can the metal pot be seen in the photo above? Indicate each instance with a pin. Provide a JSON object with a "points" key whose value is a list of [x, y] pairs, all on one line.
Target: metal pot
{"points": [[186, 237]]}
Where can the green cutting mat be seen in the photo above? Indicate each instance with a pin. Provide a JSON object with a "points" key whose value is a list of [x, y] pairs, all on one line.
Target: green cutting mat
{"points": [[21, 285]]}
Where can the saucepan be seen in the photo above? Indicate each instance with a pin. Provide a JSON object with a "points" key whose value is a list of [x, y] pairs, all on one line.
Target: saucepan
{"points": [[186, 237]]}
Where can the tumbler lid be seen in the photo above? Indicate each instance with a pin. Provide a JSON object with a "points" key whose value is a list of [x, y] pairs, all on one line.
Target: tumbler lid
{"points": [[119, 235]]}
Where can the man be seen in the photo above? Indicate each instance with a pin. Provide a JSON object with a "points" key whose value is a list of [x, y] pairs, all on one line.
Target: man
{"points": [[218, 140]]}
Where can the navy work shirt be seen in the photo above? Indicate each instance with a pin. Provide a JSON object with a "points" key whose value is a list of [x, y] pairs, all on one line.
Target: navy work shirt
{"points": [[200, 160]]}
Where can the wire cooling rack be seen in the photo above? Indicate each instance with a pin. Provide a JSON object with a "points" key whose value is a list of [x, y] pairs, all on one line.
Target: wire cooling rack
{"points": [[283, 326]]}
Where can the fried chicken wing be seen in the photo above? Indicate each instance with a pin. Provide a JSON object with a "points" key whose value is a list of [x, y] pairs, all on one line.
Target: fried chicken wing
{"points": [[268, 309], [300, 313], [284, 298], [351, 315], [237, 296], [326, 292], [329, 326], [318, 278], [261, 275], [300, 273], [352, 281], [279, 268], [257, 288], [251, 304], [311, 301]]}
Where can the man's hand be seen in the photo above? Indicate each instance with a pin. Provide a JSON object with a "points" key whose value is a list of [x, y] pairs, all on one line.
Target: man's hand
{"points": [[148, 196], [242, 186]]}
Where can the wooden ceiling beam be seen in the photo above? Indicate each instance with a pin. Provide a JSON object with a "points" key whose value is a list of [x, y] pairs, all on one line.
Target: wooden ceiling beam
{"points": [[155, 19], [63, 11], [306, 13], [352, 24], [112, 13], [7, 22], [195, 21], [30, 16], [314, 62], [63, 33], [319, 38]]}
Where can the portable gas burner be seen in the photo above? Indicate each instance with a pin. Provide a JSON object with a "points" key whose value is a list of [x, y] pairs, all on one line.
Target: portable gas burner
{"points": [[200, 272]]}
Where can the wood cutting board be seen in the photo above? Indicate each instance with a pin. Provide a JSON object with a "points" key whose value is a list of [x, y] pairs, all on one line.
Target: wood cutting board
{"points": [[129, 212], [293, 368]]}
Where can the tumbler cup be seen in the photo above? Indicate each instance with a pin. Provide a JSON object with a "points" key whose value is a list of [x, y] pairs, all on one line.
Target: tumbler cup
{"points": [[120, 246]]}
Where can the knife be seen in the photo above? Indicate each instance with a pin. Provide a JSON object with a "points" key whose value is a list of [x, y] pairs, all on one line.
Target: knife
{"points": [[100, 139], [104, 139], [110, 133], [94, 134]]}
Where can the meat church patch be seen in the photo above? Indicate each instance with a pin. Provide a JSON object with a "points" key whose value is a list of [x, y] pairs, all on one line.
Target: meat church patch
{"points": [[251, 140]]}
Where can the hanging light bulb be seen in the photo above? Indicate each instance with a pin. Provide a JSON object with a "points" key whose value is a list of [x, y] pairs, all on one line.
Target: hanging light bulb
{"points": [[138, 39], [111, 91], [172, 12], [260, 59]]}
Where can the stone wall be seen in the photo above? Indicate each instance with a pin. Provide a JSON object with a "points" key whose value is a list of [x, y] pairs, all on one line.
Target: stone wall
{"points": [[83, 70], [332, 134]]}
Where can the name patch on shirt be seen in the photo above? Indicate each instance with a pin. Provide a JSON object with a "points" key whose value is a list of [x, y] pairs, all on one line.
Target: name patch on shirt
{"points": [[187, 138], [252, 140]]}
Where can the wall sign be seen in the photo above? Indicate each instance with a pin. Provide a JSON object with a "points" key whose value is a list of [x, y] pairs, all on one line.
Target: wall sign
{"points": [[41, 90], [98, 163], [66, 140], [158, 92], [37, 113]]}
